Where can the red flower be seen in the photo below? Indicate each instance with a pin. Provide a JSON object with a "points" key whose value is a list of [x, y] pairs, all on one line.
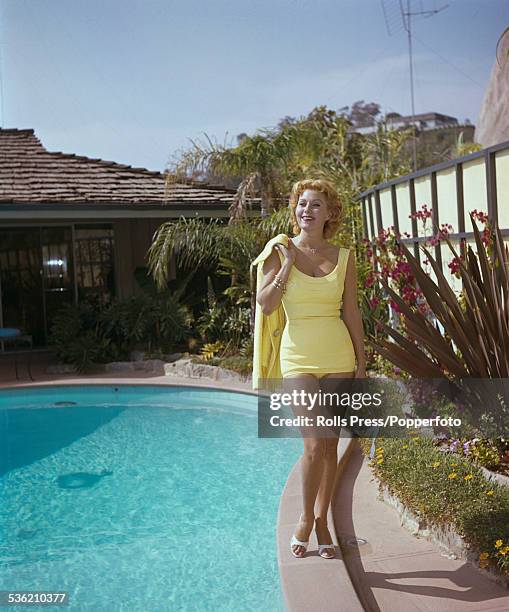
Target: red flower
{"points": [[394, 306], [454, 265]]}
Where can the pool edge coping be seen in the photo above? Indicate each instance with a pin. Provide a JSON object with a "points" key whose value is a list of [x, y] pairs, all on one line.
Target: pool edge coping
{"points": [[312, 582], [119, 381]]}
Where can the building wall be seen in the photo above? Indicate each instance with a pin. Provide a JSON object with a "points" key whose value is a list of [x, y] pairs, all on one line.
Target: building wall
{"points": [[133, 238], [493, 124], [124, 265]]}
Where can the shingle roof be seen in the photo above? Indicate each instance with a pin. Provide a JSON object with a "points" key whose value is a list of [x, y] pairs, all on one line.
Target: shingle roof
{"points": [[29, 174]]}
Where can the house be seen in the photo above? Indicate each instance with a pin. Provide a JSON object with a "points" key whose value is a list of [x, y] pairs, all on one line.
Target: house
{"points": [[72, 226], [437, 135]]}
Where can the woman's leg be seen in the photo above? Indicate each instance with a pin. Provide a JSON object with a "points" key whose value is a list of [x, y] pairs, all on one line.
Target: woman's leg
{"points": [[329, 470], [311, 461]]}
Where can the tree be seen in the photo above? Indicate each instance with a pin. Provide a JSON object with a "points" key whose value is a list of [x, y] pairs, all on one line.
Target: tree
{"points": [[364, 115]]}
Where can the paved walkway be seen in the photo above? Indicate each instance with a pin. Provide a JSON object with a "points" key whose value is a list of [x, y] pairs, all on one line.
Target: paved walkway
{"points": [[395, 570], [41, 360], [312, 583]]}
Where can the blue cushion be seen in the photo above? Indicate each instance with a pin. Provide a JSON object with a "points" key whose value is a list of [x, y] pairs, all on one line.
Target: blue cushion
{"points": [[9, 332]]}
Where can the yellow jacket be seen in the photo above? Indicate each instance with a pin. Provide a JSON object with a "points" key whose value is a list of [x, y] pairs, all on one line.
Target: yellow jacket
{"points": [[267, 329]]}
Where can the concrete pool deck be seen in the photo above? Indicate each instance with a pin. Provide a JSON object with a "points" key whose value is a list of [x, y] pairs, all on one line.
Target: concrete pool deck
{"points": [[392, 571]]}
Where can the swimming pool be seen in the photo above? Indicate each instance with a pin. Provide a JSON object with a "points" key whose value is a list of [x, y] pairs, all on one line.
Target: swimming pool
{"points": [[140, 497]]}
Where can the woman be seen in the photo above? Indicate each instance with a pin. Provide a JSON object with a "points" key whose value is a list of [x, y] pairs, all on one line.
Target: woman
{"points": [[310, 278]]}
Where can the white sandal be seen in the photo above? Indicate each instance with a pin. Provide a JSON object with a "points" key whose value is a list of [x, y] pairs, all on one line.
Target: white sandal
{"points": [[322, 547], [295, 542]]}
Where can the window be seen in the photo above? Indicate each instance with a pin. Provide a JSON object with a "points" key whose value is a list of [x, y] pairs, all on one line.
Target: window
{"points": [[94, 262]]}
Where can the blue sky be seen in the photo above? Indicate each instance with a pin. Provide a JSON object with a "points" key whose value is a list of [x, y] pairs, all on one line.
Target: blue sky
{"points": [[133, 80]]}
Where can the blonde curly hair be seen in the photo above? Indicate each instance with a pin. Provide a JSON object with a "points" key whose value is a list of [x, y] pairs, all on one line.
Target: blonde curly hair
{"points": [[334, 205]]}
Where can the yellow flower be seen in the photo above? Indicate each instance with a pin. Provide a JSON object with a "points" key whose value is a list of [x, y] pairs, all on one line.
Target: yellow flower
{"points": [[504, 551], [454, 464], [490, 492], [452, 475], [468, 477], [484, 555], [436, 464], [380, 460], [405, 446], [498, 543]]}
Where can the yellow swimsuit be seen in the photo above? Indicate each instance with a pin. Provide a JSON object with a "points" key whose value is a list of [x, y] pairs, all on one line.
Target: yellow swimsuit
{"points": [[315, 339]]}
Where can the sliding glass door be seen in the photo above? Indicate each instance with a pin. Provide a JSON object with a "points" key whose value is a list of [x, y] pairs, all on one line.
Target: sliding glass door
{"points": [[21, 281], [57, 271], [44, 268]]}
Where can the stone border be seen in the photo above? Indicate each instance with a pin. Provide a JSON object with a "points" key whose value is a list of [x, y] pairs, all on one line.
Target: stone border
{"points": [[495, 476], [185, 367], [450, 542], [181, 367]]}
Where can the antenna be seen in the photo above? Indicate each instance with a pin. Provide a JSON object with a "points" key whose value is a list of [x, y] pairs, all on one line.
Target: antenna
{"points": [[406, 18]]}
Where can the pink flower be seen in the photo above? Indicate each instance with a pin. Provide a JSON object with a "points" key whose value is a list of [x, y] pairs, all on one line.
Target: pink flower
{"points": [[480, 216], [454, 265]]}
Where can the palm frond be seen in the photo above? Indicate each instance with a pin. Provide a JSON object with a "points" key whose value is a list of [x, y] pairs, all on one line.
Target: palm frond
{"points": [[186, 238]]}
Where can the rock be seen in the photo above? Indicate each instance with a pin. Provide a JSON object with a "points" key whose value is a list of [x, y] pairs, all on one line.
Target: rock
{"points": [[186, 368], [495, 476], [150, 365], [120, 366], [177, 368], [61, 368]]}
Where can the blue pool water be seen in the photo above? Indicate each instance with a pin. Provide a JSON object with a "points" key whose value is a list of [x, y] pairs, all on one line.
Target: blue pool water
{"points": [[140, 498]]}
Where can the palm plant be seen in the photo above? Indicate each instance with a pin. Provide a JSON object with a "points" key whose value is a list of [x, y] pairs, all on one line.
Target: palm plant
{"points": [[227, 249], [258, 160], [384, 155], [212, 245], [321, 144]]}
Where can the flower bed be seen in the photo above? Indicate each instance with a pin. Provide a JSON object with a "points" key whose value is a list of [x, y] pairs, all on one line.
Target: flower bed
{"points": [[447, 491]]}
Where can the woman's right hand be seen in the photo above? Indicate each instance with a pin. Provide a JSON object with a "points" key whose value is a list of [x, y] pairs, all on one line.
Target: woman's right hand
{"points": [[267, 295], [289, 253]]}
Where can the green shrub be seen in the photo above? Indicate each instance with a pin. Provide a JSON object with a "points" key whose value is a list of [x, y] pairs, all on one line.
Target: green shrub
{"points": [[86, 334], [77, 339], [224, 321], [237, 363], [146, 321]]}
